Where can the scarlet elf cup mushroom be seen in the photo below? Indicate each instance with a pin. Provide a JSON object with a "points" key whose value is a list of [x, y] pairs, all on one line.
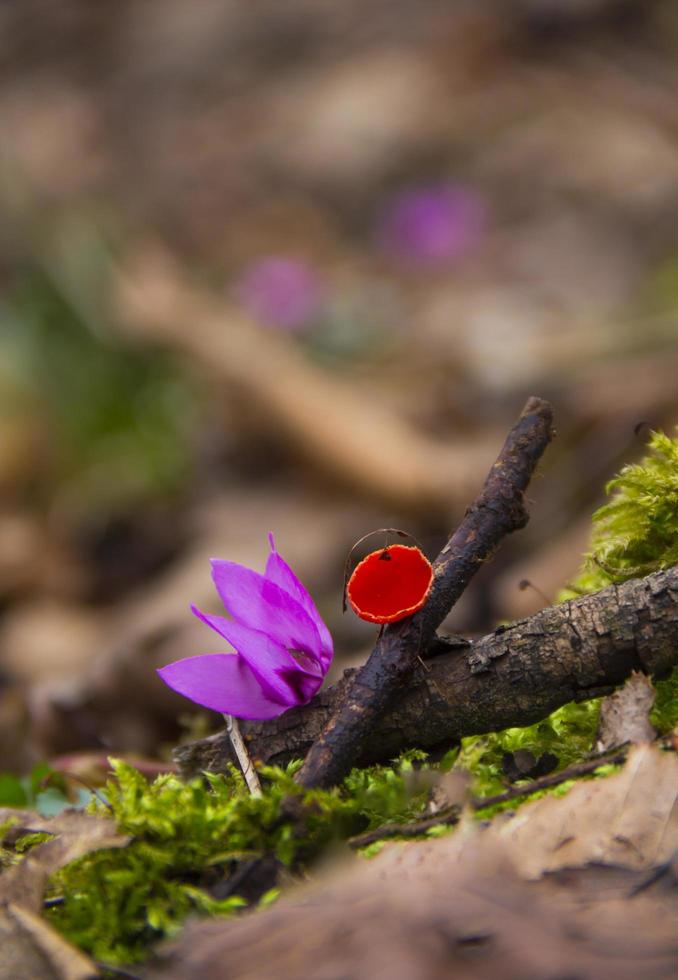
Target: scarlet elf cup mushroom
{"points": [[390, 584]]}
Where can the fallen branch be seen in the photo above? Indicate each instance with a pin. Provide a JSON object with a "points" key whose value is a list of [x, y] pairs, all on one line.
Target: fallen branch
{"points": [[445, 818], [513, 677], [448, 816], [576, 771], [498, 511]]}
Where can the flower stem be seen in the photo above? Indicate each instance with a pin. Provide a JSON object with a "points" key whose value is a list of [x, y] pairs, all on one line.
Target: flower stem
{"points": [[243, 756]]}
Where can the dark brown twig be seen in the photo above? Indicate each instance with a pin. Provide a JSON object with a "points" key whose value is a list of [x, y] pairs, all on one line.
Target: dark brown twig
{"points": [[498, 511], [450, 815], [553, 779], [447, 817]]}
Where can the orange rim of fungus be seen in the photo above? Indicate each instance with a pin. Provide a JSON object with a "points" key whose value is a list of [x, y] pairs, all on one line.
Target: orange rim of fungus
{"points": [[390, 584]]}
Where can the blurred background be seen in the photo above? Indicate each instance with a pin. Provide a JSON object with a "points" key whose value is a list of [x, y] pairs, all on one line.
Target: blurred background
{"points": [[295, 267]]}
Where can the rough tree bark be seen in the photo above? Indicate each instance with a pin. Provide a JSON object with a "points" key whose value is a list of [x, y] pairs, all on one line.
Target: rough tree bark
{"points": [[512, 677]]}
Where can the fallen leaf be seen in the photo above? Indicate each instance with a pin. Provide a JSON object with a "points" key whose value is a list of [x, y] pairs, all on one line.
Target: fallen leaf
{"points": [[625, 715], [452, 789], [31, 950], [24, 884], [505, 901], [20, 818], [76, 834], [629, 819], [469, 916]]}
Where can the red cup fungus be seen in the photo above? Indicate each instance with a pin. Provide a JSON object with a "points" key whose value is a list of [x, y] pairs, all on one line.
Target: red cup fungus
{"points": [[390, 584]]}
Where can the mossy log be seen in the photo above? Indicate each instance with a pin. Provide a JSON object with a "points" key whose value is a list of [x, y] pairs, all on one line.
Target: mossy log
{"points": [[515, 676]]}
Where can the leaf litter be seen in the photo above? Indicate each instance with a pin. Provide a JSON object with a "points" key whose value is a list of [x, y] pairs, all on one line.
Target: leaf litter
{"points": [[577, 885]]}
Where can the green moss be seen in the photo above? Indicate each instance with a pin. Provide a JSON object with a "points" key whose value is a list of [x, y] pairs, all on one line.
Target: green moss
{"points": [[186, 836], [118, 419], [634, 534], [7, 855], [391, 795], [568, 733], [664, 714], [27, 841]]}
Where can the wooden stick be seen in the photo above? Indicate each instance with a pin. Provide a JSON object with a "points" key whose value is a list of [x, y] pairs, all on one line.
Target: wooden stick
{"points": [[243, 756], [450, 815], [498, 510]]}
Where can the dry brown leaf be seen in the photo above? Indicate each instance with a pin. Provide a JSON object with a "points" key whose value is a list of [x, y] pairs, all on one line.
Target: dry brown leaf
{"points": [[468, 916], [24, 884], [629, 819], [19, 816], [625, 715], [76, 834], [31, 950], [467, 905]]}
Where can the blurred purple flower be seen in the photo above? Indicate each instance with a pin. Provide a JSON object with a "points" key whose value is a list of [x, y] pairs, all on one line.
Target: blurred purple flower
{"points": [[283, 647], [431, 225], [280, 292]]}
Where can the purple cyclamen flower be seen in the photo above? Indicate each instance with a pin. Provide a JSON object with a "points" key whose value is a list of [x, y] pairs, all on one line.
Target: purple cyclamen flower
{"points": [[280, 291], [283, 647], [431, 225]]}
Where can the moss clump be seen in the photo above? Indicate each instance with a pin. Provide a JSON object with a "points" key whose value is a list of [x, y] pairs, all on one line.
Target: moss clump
{"points": [[8, 856], [187, 836], [634, 534], [664, 714], [568, 733]]}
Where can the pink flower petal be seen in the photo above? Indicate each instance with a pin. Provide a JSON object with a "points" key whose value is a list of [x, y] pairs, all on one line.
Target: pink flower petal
{"points": [[262, 605], [303, 685], [283, 648], [279, 572], [270, 662], [222, 682]]}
